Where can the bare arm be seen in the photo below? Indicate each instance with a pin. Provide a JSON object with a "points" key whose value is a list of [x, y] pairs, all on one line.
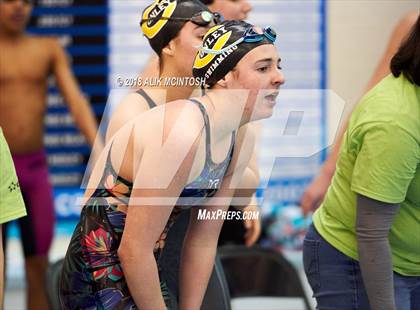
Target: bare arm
{"points": [[143, 226], [146, 219], [244, 198], [200, 242], [246, 189], [130, 107], [254, 169], [197, 258], [248, 185], [251, 177], [315, 192], [198, 253], [78, 105]]}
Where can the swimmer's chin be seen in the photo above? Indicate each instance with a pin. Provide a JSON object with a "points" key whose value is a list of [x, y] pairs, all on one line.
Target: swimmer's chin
{"points": [[265, 112], [271, 103]]}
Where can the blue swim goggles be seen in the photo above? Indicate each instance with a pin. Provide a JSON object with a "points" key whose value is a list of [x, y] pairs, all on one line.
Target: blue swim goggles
{"points": [[250, 36]]}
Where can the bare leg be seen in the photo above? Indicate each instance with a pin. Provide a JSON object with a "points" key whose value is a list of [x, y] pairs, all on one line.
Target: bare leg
{"points": [[36, 269]]}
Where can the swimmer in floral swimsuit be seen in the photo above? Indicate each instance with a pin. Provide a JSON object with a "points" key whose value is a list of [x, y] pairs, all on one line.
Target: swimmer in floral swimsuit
{"points": [[92, 260], [113, 258]]}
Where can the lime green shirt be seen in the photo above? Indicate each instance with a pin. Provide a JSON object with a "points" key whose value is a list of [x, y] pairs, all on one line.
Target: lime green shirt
{"points": [[11, 201], [379, 159]]}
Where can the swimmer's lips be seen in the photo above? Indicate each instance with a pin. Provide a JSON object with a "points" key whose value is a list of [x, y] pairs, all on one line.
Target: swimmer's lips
{"points": [[273, 96], [270, 100]]}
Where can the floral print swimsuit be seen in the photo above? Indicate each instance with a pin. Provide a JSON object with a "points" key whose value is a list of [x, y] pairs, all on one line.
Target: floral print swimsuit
{"points": [[92, 277]]}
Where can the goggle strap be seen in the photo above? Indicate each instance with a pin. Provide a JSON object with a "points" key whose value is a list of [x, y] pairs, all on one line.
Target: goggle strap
{"points": [[248, 38]]}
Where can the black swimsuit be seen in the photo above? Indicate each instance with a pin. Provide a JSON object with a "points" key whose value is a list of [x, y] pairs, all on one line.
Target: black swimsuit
{"points": [[92, 277]]}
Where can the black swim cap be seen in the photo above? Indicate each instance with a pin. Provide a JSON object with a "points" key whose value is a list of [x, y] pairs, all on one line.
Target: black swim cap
{"points": [[207, 2], [162, 20], [225, 45]]}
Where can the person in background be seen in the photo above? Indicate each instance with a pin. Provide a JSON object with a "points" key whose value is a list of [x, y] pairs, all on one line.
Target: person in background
{"points": [[26, 62], [229, 9], [114, 256], [237, 231], [233, 231], [315, 192], [11, 201], [176, 44], [362, 251]]}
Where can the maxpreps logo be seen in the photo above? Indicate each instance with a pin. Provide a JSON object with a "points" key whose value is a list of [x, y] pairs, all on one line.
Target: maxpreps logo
{"points": [[154, 13]]}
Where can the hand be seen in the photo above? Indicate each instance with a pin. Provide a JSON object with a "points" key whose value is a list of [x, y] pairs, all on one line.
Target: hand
{"points": [[252, 226], [315, 193]]}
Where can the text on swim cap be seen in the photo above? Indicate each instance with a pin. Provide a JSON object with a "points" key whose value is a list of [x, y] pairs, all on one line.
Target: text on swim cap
{"points": [[217, 41], [212, 37], [159, 8], [218, 61], [154, 14]]}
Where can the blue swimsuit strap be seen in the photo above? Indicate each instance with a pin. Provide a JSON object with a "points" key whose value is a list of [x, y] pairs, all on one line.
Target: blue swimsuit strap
{"points": [[209, 158]]}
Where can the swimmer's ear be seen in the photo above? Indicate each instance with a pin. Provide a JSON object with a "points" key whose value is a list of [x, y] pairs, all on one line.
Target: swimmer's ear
{"points": [[169, 49], [224, 81]]}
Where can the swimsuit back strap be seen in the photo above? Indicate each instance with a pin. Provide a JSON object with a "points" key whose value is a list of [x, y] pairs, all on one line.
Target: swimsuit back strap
{"points": [[207, 126], [149, 100]]}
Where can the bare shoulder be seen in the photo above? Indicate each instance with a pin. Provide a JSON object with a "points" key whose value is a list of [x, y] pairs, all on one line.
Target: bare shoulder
{"points": [[132, 104], [130, 107], [51, 41], [178, 123], [51, 45], [40, 46], [44, 42], [184, 114]]}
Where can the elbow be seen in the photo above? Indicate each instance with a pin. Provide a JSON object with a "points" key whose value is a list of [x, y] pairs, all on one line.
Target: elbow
{"points": [[129, 253], [123, 254], [366, 234], [363, 232], [255, 181], [249, 182], [257, 177], [251, 178]]}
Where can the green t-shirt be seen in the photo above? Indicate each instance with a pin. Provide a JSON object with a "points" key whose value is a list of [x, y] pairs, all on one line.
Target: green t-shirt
{"points": [[379, 159], [11, 201]]}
